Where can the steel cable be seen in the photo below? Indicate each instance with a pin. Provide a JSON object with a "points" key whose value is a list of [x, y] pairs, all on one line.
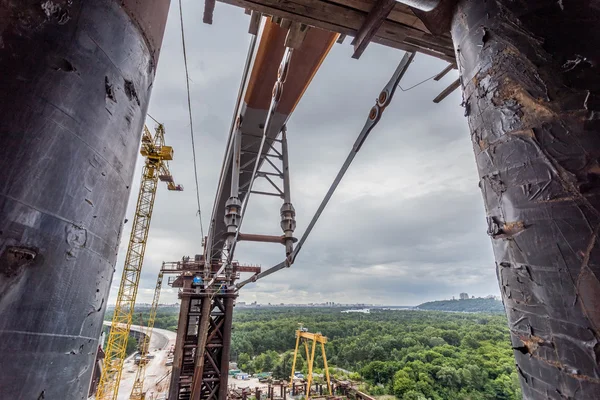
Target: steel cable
{"points": [[384, 99], [189, 101]]}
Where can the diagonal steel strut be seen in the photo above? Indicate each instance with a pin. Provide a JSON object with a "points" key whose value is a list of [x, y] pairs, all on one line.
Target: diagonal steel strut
{"points": [[384, 99]]}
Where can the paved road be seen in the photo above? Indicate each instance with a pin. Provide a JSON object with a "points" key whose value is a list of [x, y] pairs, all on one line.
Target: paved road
{"points": [[155, 369]]}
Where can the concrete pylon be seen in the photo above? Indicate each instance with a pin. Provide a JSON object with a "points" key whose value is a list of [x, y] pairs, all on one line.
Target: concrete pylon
{"points": [[531, 86], [75, 83]]}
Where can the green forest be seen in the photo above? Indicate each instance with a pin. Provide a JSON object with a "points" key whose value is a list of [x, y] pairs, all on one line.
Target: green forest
{"points": [[412, 355], [166, 317], [466, 305]]}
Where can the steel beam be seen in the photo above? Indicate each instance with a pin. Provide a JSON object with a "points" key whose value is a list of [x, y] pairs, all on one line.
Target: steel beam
{"points": [[444, 72], [529, 71], [446, 92], [201, 357], [209, 9], [378, 14]]}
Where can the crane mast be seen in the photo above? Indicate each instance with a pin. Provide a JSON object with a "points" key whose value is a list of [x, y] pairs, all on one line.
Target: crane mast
{"points": [[137, 393], [157, 155]]}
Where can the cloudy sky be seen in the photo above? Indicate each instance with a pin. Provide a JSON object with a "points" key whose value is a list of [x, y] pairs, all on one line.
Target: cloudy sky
{"points": [[407, 223]]}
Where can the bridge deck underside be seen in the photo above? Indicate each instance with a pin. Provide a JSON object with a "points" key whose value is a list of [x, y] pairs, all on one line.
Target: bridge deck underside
{"points": [[403, 28]]}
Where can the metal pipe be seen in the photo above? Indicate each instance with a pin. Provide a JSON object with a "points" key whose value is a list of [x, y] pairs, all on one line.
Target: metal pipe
{"points": [[533, 108], [235, 170], [286, 167], [76, 79], [233, 204], [250, 237], [288, 213]]}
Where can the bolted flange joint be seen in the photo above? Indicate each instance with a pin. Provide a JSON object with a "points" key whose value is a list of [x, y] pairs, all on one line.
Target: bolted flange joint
{"points": [[233, 208], [288, 225]]}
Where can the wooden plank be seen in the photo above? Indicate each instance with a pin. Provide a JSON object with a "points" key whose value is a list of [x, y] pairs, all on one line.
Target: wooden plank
{"points": [[453, 86], [423, 42], [346, 21], [255, 19], [373, 22], [442, 74], [413, 49], [400, 13], [209, 9], [285, 23]]}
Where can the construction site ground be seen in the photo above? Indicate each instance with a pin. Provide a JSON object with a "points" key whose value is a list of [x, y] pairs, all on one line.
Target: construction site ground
{"points": [[249, 383], [156, 369]]}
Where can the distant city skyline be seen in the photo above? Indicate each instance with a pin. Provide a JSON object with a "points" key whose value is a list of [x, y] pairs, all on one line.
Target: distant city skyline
{"points": [[242, 304]]}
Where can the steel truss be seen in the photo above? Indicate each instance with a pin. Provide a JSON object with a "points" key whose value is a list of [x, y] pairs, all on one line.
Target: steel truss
{"points": [[200, 370]]}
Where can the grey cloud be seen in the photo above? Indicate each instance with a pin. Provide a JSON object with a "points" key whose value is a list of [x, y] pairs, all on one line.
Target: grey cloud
{"points": [[407, 223]]}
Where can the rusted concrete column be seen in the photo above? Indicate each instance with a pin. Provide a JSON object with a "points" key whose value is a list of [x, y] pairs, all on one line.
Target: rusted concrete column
{"points": [[531, 84], [75, 85]]}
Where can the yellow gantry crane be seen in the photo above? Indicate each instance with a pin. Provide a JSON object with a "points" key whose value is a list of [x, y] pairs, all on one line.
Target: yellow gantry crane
{"points": [[156, 168], [137, 392], [303, 335]]}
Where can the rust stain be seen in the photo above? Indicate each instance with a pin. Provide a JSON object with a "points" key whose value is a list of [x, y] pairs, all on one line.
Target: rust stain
{"points": [[588, 251], [524, 132], [530, 343], [512, 228], [588, 286], [535, 111], [482, 144], [530, 346], [558, 199]]}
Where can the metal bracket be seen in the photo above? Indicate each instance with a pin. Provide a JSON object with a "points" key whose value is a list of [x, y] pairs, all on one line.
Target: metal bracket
{"points": [[296, 35]]}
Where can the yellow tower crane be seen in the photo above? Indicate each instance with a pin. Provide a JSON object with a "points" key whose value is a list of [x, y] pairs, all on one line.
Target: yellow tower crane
{"points": [[156, 168], [303, 335], [137, 393]]}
